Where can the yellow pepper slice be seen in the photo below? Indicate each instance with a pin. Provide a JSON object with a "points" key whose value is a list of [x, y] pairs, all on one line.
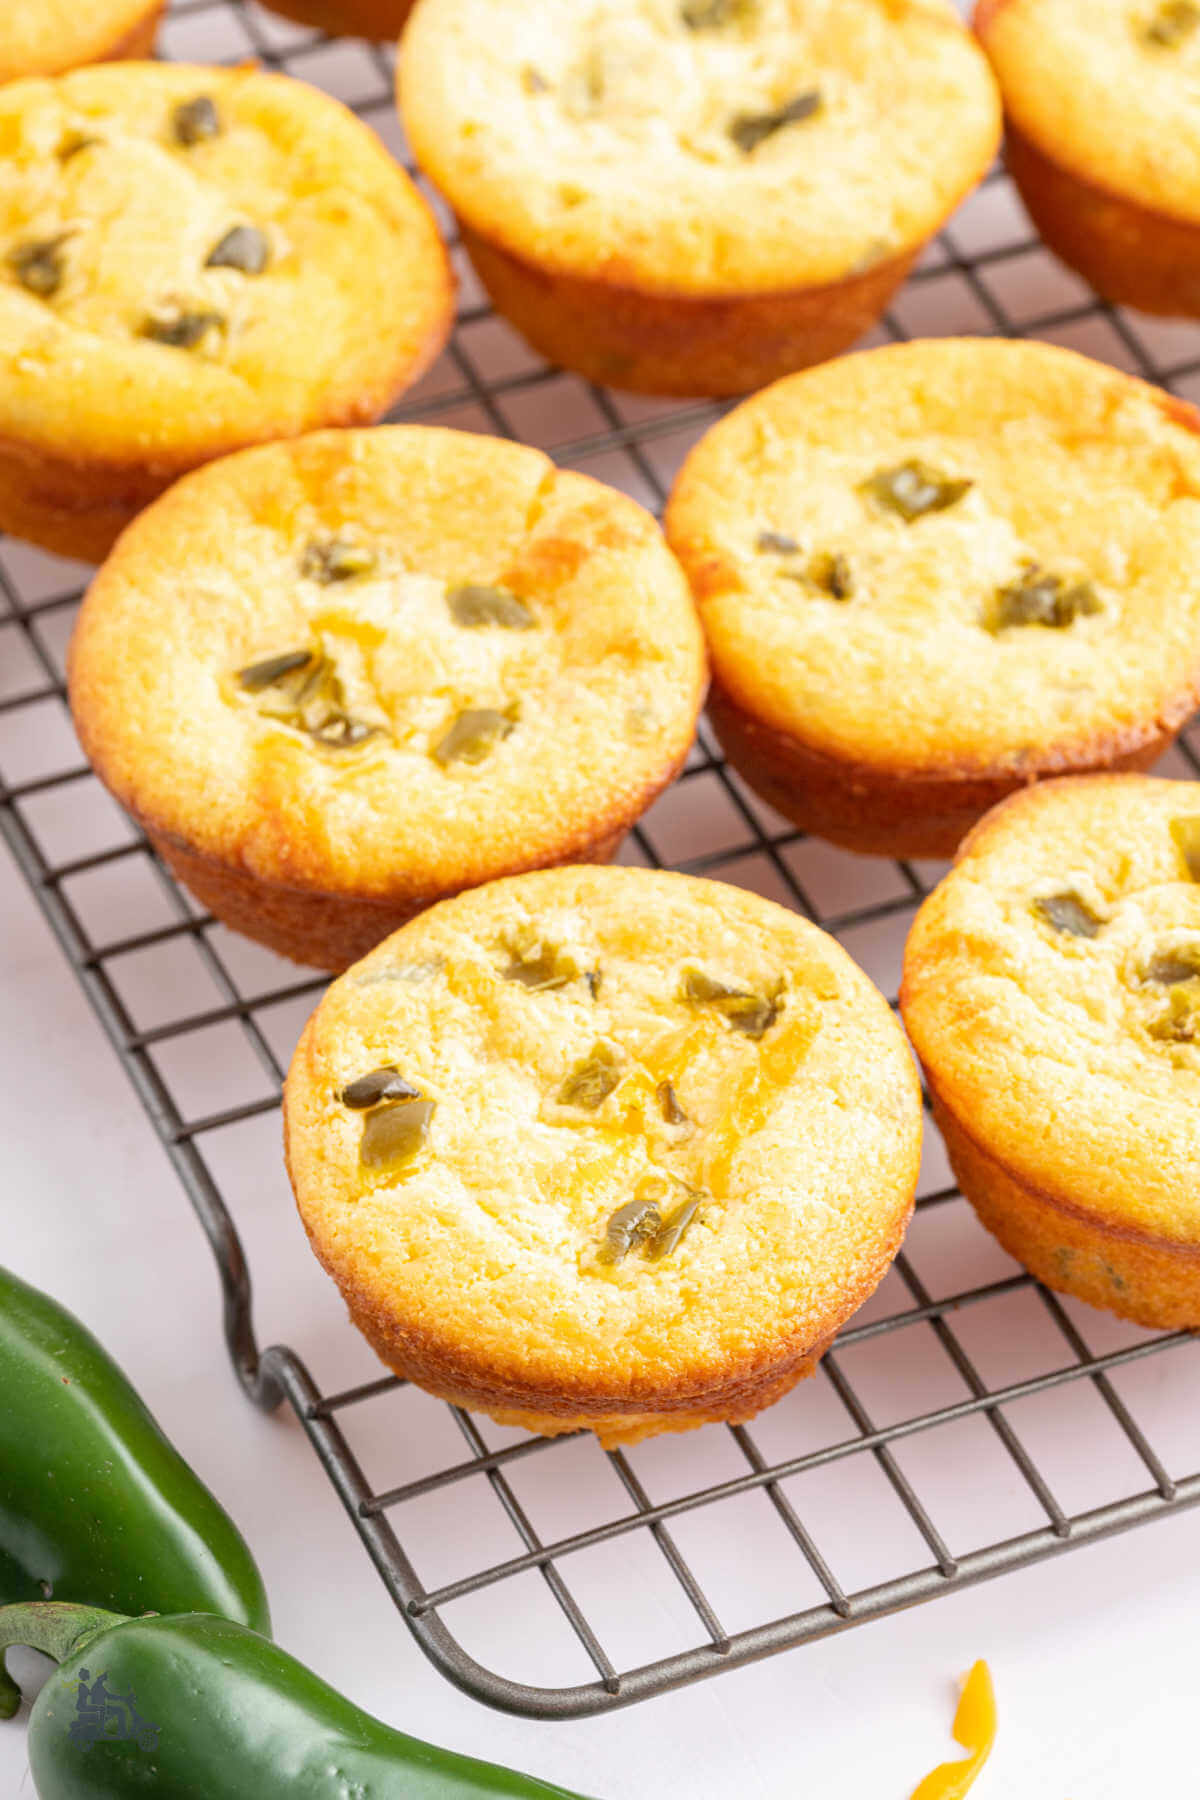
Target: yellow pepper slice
{"points": [[975, 1729]]}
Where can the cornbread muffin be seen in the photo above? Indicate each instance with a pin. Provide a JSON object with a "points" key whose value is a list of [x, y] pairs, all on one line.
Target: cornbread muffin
{"points": [[379, 19], [192, 260], [975, 563], [604, 1148], [44, 37], [696, 196], [1103, 106], [339, 678], [1052, 991]]}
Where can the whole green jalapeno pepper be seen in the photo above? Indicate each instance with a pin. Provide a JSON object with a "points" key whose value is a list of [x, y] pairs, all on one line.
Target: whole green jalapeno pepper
{"points": [[95, 1504], [198, 1708]]}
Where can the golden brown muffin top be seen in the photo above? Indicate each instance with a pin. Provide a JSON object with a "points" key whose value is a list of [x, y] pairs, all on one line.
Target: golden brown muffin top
{"points": [[191, 258], [586, 1040], [388, 661], [40, 37], [1052, 989], [965, 554], [1110, 88], [699, 146]]}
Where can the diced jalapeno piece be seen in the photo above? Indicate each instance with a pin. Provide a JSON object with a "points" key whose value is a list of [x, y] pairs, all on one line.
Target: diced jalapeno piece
{"points": [[668, 1101], [244, 247], [185, 330], [386, 1083], [714, 15], [776, 543], [1186, 835], [38, 265], [259, 675], [475, 605], [533, 81], [591, 1081], [539, 967], [593, 977], [195, 120], [670, 1233], [1173, 966], [632, 1224], [1038, 597], [831, 573], [473, 736], [326, 560], [74, 142], [392, 1135], [749, 130], [749, 1013], [1172, 24], [913, 489], [1069, 914]]}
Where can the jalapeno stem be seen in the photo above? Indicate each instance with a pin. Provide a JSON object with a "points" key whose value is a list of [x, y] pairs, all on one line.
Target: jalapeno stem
{"points": [[57, 1628]]}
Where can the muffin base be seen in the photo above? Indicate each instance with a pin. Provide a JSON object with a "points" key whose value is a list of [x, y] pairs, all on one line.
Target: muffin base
{"points": [[1147, 1279], [73, 509], [876, 811], [326, 931], [1130, 254], [652, 343], [380, 20], [615, 1429]]}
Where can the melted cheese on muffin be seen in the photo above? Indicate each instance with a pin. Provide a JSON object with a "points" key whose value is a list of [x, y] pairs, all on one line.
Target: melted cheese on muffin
{"points": [[741, 1065], [388, 662], [963, 554], [699, 146], [1050, 990], [194, 258]]}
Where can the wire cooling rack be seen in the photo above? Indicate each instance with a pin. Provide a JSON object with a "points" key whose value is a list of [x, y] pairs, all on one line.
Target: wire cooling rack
{"points": [[966, 1423]]}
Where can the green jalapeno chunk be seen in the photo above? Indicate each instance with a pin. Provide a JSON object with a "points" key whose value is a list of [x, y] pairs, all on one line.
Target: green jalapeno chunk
{"points": [[540, 967], [195, 121], [640, 1226], [473, 736], [301, 688], [1172, 25], [39, 266], [220, 1712], [474, 606], [749, 130], [592, 1080], [715, 15], [328, 560], [369, 1090], [1037, 597], [186, 328], [95, 1503], [244, 248], [912, 490], [749, 1013], [1068, 914]]}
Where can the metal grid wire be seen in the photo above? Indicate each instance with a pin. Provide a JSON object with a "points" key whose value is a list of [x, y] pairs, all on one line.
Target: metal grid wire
{"points": [[948, 1434]]}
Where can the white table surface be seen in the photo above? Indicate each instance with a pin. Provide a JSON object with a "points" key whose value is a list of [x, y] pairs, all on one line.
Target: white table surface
{"points": [[1093, 1655]]}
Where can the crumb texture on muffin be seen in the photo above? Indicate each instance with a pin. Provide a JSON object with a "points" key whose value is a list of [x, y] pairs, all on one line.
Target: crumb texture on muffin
{"points": [[1052, 991], [969, 558], [699, 147], [45, 37], [1106, 88], [388, 663], [678, 1044], [192, 259]]}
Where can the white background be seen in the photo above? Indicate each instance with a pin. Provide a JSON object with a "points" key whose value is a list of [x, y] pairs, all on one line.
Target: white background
{"points": [[1093, 1654]]}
